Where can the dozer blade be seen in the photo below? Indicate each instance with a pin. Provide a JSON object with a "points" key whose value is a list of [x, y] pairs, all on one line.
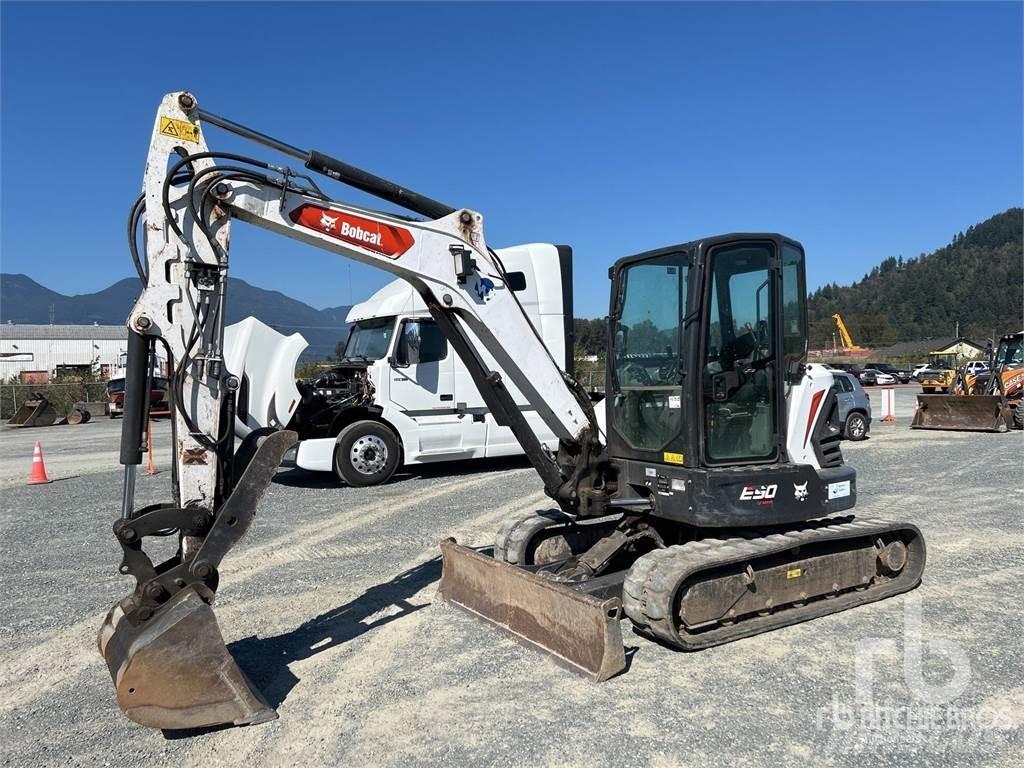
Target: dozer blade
{"points": [[174, 671], [577, 629], [973, 413]]}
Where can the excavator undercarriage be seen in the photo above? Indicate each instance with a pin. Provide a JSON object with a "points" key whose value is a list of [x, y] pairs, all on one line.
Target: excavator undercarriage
{"points": [[718, 587], [711, 503]]}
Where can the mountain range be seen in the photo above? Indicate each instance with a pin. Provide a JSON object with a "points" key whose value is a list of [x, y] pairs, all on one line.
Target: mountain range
{"points": [[23, 300]]}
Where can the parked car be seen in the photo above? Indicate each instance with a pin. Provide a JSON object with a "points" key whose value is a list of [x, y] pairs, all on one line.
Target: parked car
{"points": [[851, 368], [900, 374], [854, 406], [974, 367], [870, 377]]}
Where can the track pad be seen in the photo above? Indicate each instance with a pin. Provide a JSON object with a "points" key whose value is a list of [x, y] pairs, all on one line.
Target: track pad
{"points": [[173, 671]]}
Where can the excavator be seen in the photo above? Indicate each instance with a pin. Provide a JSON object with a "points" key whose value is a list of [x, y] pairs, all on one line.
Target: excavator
{"points": [[709, 501], [986, 402]]}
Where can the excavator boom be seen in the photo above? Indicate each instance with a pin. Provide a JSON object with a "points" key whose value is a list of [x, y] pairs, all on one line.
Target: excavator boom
{"points": [[162, 643]]}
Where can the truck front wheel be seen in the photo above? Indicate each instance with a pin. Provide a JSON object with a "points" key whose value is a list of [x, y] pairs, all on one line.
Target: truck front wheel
{"points": [[366, 453]]}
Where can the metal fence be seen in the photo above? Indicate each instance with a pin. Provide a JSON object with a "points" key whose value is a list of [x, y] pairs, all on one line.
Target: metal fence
{"points": [[62, 396]]}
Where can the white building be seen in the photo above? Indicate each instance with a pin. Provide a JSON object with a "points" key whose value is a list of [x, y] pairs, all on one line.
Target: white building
{"points": [[34, 353]]}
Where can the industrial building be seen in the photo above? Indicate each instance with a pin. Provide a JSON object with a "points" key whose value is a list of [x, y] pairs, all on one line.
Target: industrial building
{"points": [[33, 354]]}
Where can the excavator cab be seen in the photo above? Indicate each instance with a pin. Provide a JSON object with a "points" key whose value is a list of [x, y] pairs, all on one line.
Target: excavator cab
{"points": [[707, 340]]}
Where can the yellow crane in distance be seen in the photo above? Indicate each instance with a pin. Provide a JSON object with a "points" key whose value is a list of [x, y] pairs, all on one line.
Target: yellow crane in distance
{"points": [[844, 335]]}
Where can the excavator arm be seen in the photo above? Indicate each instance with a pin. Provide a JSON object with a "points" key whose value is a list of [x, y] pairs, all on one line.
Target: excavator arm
{"points": [[162, 644]]}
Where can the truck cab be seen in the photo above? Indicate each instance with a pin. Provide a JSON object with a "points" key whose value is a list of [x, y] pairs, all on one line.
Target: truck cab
{"points": [[400, 395]]}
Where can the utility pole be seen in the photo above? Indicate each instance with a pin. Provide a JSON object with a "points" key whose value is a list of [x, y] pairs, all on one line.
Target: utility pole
{"points": [[958, 329]]}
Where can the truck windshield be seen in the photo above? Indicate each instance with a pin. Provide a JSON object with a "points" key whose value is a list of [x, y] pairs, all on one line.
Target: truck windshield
{"points": [[369, 339]]}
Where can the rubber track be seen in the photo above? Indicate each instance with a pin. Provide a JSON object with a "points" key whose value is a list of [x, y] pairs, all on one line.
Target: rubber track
{"points": [[514, 535], [651, 584]]}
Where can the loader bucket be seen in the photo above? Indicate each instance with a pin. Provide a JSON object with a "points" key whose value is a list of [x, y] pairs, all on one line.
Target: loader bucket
{"points": [[174, 671], [580, 631], [36, 412], [972, 413]]}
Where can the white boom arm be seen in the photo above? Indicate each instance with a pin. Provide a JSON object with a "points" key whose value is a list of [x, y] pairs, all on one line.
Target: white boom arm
{"points": [[445, 260]]}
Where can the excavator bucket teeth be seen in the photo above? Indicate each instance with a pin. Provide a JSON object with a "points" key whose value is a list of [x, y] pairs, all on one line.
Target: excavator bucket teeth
{"points": [[972, 413], [580, 631], [174, 672]]}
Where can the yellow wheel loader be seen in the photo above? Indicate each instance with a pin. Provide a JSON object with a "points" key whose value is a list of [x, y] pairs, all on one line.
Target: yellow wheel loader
{"points": [[710, 503], [986, 402]]}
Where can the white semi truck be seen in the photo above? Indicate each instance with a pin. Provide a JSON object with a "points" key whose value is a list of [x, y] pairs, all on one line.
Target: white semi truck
{"points": [[399, 395]]}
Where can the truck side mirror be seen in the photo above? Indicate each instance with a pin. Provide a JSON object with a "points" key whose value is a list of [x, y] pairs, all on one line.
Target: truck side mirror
{"points": [[396, 361]]}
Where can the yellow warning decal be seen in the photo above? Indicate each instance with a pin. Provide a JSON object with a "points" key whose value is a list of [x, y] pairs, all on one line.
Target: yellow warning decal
{"points": [[794, 573], [673, 458], [179, 129]]}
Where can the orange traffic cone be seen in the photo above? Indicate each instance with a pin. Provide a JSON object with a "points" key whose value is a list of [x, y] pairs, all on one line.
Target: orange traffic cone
{"points": [[38, 475]]}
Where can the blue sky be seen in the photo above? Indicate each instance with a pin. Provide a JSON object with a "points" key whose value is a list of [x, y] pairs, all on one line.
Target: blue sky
{"points": [[863, 130]]}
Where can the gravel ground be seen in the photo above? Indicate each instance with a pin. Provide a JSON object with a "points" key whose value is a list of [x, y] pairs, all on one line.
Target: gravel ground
{"points": [[327, 606]]}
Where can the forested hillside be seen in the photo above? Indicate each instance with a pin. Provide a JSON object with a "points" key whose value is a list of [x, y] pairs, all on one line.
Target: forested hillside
{"points": [[976, 280]]}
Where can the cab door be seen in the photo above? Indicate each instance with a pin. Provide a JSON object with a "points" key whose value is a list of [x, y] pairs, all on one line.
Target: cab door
{"points": [[422, 386], [740, 374]]}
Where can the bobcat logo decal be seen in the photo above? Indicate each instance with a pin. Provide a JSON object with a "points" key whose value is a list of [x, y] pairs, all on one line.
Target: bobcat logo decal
{"points": [[800, 491]]}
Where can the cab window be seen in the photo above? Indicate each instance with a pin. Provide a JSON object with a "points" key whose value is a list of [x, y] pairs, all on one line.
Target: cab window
{"points": [[843, 384], [421, 341], [646, 402], [739, 355]]}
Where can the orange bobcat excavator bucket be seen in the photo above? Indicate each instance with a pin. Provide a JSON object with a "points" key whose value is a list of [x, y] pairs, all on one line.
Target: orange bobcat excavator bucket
{"points": [[162, 644], [971, 413]]}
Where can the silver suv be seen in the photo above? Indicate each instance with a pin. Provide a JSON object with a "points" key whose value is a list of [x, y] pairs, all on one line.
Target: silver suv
{"points": [[853, 405]]}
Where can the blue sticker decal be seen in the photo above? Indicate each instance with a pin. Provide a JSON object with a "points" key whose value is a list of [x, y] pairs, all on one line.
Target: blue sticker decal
{"points": [[483, 287]]}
